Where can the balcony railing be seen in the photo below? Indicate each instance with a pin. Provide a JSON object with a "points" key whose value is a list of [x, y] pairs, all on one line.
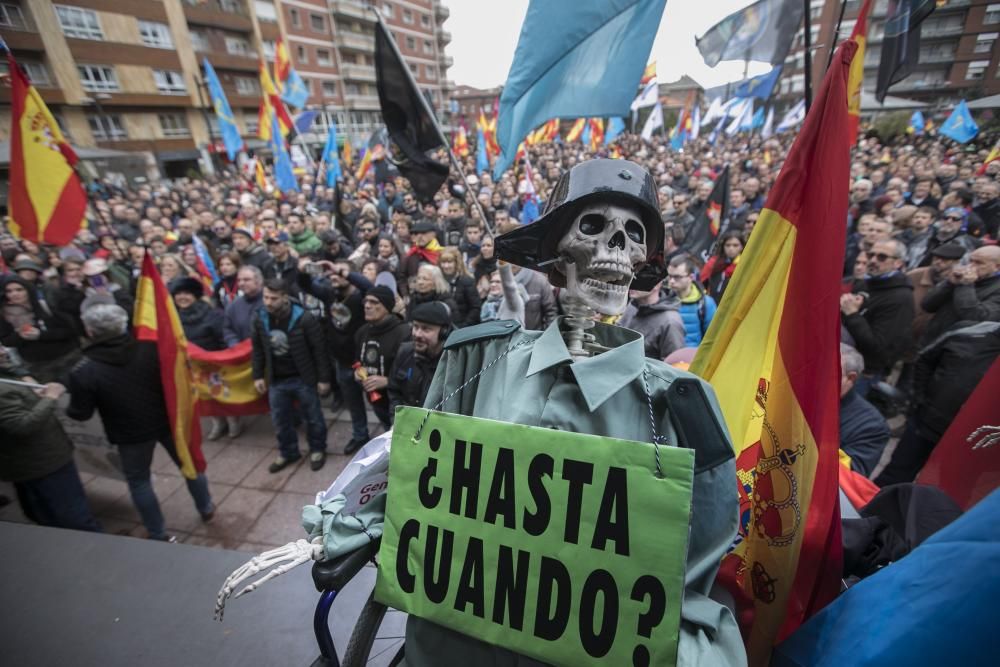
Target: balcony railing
{"points": [[357, 41], [352, 9], [448, 61], [444, 36], [358, 72], [441, 13], [361, 101]]}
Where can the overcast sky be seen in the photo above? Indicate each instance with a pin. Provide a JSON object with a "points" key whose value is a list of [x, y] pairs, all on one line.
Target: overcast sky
{"points": [[484, 36]]}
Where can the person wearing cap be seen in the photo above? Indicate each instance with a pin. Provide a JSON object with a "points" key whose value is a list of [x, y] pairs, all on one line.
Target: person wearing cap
{"points": [[286, 266], [202, 324], [425, 249], [377, 343], [251, 252], [953, 226], [290, 364], [969, 293], [923, 279], [417, 359]]}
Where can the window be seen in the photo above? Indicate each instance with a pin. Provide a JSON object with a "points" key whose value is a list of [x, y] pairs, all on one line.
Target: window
{"points": [[174, 125], [169, 82], [352, 89], [237, 46], [428, 47], [992, 14], [323, 57], [268, 46], [78, 22], [413, 68], [199, 42], [251, 121], [407, 16], [303, 55], [107, 127], [984, 42], [155, 34], [387, 10], [317, 23], [247, 86], [425, 20], [430, 72], [411, 44], [98, 78], [976, 69], [38, 74], [293, 14], [330, 88], [11, 17], [265, 11]]}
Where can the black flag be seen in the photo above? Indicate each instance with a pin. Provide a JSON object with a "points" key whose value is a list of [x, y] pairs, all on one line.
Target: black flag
{"points": [[901, 44], [705, 228], [762, 31], [408, 119]]}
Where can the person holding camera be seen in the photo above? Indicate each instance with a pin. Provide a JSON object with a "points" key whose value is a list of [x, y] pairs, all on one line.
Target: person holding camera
{"points": [[970, 293]]}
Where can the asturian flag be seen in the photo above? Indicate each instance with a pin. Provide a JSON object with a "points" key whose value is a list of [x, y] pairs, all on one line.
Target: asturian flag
{"points": [[793, 117]]}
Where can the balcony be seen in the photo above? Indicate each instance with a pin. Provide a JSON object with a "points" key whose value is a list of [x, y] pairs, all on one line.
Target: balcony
{"points": [[357, 41], [232, 61], [447, 61], [934, 58], [936, 31], [351, 9], [441, 13], [358, 72], [361, 102], [444, 36], [228, 14]]}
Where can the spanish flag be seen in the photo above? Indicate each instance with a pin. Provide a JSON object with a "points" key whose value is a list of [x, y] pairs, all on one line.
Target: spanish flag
{"points": [[348, 153], [576, 130], [992, 157], [46, 199], [648, 74], [282, 64], [859, 35], [156, 320], [460, 144], [223, 381], [270, 105], [773, 355], [365, 165], [596, 133]]}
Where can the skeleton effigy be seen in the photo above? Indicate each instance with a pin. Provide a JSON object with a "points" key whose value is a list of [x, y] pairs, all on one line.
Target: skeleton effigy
{"points": [[599, 236]]}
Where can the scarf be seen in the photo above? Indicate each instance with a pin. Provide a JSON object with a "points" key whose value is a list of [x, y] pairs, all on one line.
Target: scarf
{"points": [[430, 252]]}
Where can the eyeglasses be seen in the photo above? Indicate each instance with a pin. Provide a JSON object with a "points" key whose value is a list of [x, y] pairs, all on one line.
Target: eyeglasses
{"points": [[953, 218], [675, 276], [367, 230], [881, 256]]}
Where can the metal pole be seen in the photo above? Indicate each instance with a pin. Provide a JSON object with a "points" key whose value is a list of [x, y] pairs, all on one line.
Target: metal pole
{"points": [[430, 113], [836, 33], [807, 35]]}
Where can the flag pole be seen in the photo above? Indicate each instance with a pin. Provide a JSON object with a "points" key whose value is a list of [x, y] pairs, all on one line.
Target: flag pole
{"points": [[434, 121], [836, 33], [807, 44]]}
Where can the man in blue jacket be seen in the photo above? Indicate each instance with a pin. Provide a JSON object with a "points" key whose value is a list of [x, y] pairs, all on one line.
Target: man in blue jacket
{"points": [[697, 308], [864, 432]]}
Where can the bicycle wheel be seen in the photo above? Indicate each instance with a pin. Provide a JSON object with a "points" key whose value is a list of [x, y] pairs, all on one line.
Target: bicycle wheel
{"points": [[360, 645]]}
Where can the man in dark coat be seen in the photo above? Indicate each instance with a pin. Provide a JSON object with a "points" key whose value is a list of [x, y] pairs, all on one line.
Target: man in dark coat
{"points": [[290, 364], [864, 432], [377, 343], [119, 377], [656, 315], [880, 318], [414, 367], [945, 375], [969, 293], [252, 253]]}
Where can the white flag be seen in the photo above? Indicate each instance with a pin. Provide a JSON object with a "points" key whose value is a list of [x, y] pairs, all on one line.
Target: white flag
{"points": [[649, 96], [744, 121], [793, 117], [768, 129], [654, 121], [695, 122], [714, 113]]}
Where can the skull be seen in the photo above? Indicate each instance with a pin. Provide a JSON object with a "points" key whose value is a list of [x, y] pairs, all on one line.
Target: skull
{"points": [[604, 246]]}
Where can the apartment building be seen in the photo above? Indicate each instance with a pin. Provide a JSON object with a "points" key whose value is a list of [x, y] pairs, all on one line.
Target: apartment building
{"points": [[126, 74]]}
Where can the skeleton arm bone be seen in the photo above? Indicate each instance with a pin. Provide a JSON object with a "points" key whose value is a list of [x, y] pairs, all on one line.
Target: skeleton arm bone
{"points": [[285, 558]]}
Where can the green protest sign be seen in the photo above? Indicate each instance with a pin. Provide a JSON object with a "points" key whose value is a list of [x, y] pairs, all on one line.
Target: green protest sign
{"points": [[560, 546]]}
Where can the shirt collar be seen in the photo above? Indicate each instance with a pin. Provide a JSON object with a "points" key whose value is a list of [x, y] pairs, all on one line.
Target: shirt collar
{"points": [[599, 377]]}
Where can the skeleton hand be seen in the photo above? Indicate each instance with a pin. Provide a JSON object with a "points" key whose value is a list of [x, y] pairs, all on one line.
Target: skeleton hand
{"points": [[295, 553], [987, 437]]}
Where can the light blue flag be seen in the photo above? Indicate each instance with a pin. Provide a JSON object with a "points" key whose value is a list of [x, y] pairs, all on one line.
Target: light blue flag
{"points": [[482, 159], [331, 158], [758, 119], [761, 86], [917, 123], [960, 125], [304, 121], [616, 125], [585, 137], [227, 124], [574, 59], [295, 93], [677, 134], [284, 177]]}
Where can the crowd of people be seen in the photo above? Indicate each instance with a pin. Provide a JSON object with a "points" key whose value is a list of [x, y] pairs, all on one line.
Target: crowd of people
{"points": [[348, 294]]}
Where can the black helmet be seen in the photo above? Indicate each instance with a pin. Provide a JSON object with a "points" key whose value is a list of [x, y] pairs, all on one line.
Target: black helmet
{"points": [[620, 181]]}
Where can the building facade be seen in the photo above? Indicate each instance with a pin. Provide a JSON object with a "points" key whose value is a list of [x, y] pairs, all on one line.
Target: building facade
{"points": [[959, 58], [126, 74]]}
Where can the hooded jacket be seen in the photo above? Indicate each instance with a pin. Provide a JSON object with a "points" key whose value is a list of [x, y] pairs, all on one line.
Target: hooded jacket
{"points": [[697, 310], [305, 345], [120, 379], [660, 324], [882, 328], [306, 243]]}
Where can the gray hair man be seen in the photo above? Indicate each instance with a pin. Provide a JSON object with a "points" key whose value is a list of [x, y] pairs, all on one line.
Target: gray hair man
{"points": [[864, 432]]}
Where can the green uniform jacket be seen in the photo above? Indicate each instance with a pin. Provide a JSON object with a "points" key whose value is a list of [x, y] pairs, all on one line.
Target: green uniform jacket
{"points": [[305, 243], [538, 384]]}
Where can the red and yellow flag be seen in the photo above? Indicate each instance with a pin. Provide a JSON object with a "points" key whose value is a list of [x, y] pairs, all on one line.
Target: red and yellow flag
{"points": [[260, 176], [270, 103], [460, 144], [860, 36], [365, 165], [576, 130], [155, 319], [993, 156], [648, 74], [773, 355], [596, 133], [223, 381], [282, 64], [46, 198], [348, 153]]}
